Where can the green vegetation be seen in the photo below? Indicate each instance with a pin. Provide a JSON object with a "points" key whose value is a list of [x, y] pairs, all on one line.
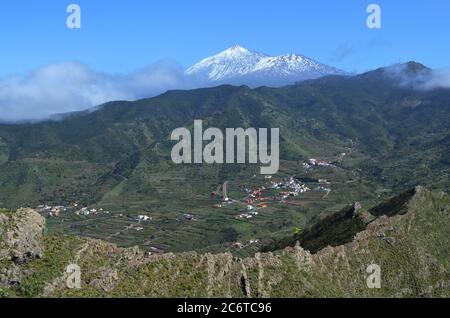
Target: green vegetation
{"points": [[59, 253], [409, 244], [118, 158]]}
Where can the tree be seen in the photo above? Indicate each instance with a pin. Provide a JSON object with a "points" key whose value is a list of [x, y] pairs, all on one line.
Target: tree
{"points": [[228, 234]]}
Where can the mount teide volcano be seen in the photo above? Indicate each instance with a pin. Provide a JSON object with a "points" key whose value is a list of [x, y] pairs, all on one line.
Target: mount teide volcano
{"points": [[240, 66]]}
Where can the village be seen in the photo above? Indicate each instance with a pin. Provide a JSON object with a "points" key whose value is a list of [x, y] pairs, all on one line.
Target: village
{"points": [[259, 197], [256, 199], [55, 211], [249, 201], [272, 191]]}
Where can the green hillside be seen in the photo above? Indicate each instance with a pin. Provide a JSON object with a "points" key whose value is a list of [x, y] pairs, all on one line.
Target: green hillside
{"points": [[117, 158], [407, 238]]}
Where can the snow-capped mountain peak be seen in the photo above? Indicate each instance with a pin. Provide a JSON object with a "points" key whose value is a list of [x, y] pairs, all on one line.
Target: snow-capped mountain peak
{"points": [[238, 65], [232, 62], [235, 50]]}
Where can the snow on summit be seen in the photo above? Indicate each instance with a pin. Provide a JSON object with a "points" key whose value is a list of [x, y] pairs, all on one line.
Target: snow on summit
{"points": [[227, 64], [238, 65]]}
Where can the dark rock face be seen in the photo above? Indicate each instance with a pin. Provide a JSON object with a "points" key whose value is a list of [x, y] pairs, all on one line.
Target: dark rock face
{"points": [[395, 206], [334, 230]]}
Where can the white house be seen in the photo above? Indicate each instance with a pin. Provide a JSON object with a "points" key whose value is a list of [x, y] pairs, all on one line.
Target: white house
{"points": [[143, 218]]}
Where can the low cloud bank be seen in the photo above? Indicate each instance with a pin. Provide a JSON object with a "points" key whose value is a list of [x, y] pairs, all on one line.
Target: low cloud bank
{"points": [[68, 87], [438, 79], [416, 76]]}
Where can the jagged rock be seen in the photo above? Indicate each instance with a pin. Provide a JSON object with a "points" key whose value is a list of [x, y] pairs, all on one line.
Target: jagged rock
{"points": [[303, 258], [20, 242], [11, 276], [3, 219], [22, 238], [107, 280]]}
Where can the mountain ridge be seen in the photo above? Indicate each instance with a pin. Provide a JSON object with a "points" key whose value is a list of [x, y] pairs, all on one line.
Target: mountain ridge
{"points": [[411, 265]]}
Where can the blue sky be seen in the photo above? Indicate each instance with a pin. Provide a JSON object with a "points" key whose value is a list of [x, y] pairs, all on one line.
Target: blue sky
{"points": [[120, 36]]}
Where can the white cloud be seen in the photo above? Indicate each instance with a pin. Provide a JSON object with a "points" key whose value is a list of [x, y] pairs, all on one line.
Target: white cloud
{"points": [[416, 77], [439, 79], [68, 87]]}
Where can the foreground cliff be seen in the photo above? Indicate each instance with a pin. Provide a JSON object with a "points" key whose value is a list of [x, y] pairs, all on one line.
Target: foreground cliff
{"points": [[407, 238]]}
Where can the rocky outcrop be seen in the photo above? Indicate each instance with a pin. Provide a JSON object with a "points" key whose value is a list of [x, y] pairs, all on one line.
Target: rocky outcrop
{"points": [[21, 235]]}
